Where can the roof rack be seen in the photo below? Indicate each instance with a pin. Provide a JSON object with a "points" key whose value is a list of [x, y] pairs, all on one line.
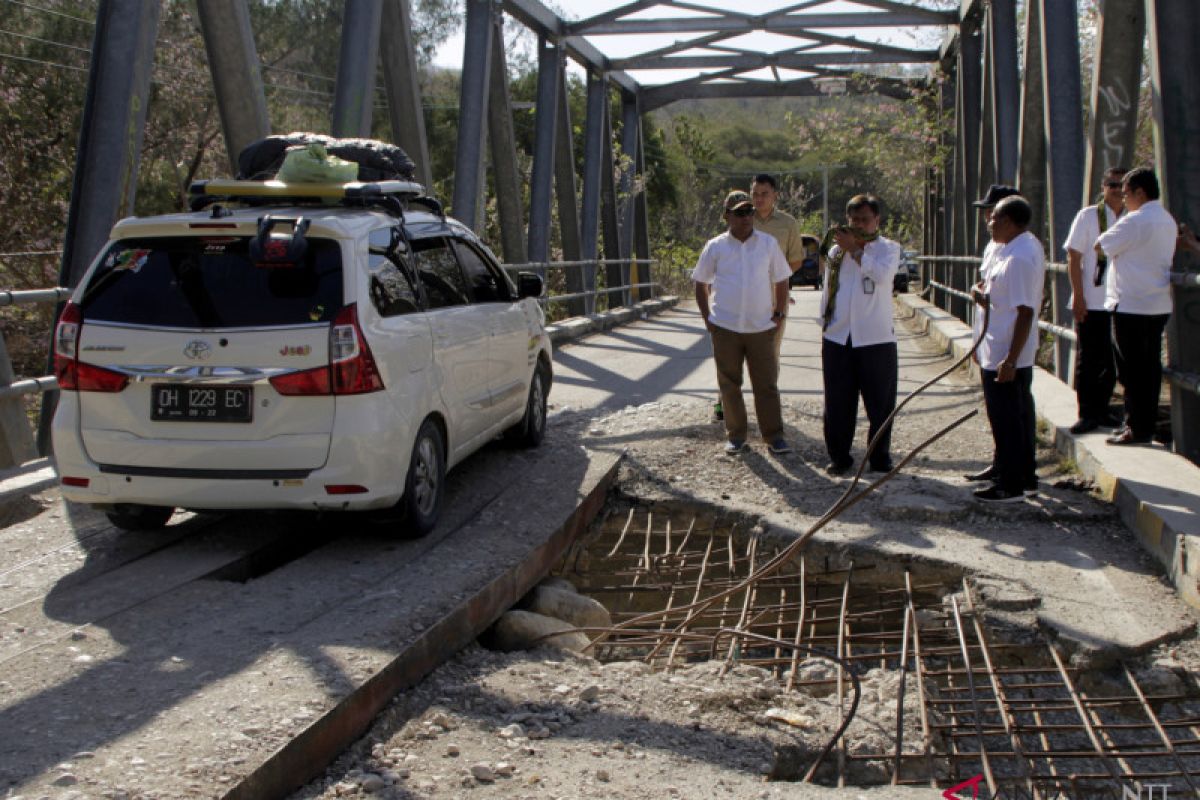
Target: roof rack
{"points": [[392, 196]]}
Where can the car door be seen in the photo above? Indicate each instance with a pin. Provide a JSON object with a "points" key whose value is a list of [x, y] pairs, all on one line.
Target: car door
{"points": [[460, 341], [509, 367]]}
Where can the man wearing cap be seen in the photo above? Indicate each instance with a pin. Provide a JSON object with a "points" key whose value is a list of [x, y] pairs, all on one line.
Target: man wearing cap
{"points": [[1011, 287], [742, 292], [858, 346], [1095, 368], [1140, 249]]}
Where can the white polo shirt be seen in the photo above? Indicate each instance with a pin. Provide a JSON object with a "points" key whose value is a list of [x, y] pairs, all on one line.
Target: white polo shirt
{"points": [[742, 275], [1082, 239], [862, 310], [1015, 277], [1140, 248]]}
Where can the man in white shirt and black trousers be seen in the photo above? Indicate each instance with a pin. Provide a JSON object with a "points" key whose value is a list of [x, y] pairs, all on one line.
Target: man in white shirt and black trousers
{"points": [[746, 275], [858, 347], [1012, 285], [1140, 249], [1095, 367]]}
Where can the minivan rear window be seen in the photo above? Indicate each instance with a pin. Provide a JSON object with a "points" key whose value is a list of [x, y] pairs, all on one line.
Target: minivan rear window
{"points": [[211, 282]]}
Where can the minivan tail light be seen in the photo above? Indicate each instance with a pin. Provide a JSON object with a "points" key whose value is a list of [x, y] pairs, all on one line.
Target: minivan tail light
{"points": [[72, 374], [350, 359], [351, 368]]}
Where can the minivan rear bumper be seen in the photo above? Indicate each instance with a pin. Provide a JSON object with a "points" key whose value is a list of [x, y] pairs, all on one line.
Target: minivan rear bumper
{"points": [[362, 453]]}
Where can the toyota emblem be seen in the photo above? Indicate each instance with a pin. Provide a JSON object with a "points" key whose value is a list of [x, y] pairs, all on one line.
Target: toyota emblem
{"points": [[197, 350]]}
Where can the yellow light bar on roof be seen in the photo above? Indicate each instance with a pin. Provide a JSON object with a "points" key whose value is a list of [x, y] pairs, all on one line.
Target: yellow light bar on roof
{"points": [[279, 189]]}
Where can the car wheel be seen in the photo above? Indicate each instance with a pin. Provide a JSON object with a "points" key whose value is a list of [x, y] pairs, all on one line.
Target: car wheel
{"points": [[531, 430], [132, 517], [425, 483]]}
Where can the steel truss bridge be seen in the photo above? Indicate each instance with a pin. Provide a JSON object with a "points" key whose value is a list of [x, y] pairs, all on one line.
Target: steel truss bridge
{"points": [[1019, 119]]}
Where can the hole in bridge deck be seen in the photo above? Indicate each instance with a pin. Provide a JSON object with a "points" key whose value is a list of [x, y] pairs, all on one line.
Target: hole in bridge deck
{"points": [[945, 694]]}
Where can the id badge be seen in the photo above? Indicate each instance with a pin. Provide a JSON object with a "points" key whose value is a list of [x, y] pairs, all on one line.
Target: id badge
{"points": [[868, 285]]}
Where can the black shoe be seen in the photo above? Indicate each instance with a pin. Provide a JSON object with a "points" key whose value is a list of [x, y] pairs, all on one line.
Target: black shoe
{"points": [[1084, 426], [888, 467], [834, 469], [997, 494], [1031, 487], [989, 474]]}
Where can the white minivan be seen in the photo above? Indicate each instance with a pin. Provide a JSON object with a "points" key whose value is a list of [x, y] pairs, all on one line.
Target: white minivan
{"points": [[326, 347]]}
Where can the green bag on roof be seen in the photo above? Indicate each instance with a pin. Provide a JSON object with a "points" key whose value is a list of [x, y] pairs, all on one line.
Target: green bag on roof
{"points": [[311, 164]]}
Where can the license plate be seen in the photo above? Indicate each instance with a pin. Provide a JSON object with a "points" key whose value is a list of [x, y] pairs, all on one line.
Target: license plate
{"points": [[175, 403]]}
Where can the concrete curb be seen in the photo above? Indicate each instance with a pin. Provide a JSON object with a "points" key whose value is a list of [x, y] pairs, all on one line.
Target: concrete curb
{"points": [[18, 482], [1156, 491], [577, 327]]}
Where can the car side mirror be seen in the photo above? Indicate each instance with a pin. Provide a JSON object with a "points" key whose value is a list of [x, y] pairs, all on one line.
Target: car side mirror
{"points": [[529, 284]]}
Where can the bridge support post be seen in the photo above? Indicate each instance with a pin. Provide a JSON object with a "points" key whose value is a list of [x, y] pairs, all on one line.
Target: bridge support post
{"points": [[631, 173], [614, 271], [1116, 80], [110, 144], [593, 162], [987, 131], [1064, 153], [966, 161], [472, 114], [641, 240], [1032, 178], [1006, 101], [541, 188], [237, 79], [1175, 60], [509, 191], [354, 92], [401, 80], [565, 190]]}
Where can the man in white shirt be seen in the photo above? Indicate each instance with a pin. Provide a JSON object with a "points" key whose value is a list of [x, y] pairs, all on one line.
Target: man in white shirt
{"points": [[1095, 367], [1140, 249], [1012, 288], [734, 279], [858, 347]]}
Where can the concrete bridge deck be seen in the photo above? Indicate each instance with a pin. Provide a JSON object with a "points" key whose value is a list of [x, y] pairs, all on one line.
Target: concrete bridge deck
{"points": [[221, 654]]}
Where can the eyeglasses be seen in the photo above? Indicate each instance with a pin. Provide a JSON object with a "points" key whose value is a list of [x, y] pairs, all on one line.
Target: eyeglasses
{"points": [[744, 211], [1112, 184]]}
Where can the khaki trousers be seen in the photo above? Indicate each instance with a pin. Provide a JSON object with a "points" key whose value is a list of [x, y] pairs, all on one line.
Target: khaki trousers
{"points": [[757, 352], [779, 341]]}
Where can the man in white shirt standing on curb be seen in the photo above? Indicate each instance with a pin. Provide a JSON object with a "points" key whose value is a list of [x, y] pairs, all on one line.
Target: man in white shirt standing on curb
{"points": [[738, 270], [1095, 367], [1140, 247], [858, 347], [1012, 286]]}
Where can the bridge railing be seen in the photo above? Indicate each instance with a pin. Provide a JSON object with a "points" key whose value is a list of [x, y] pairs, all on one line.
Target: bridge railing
{"points": [[19, 444], [585, 302], [948, 279]]}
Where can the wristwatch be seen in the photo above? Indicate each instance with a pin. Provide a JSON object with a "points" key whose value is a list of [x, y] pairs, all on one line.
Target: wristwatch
{"points": [[777, 315]]}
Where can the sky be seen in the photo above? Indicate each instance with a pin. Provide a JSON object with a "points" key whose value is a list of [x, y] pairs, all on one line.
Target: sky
{"points": [[451, 53]]}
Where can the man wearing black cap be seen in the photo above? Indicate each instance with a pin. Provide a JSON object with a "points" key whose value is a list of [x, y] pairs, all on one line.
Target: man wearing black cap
{"points": [[735, 276]]}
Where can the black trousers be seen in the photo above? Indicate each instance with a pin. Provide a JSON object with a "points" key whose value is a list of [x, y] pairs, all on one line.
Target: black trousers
{"points": [[1137, 342], [1095, 366], [1014, 427], [850, 372]]}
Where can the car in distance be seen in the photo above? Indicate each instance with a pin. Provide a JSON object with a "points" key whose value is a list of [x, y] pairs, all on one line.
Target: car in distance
{"points": [[315, 346]]}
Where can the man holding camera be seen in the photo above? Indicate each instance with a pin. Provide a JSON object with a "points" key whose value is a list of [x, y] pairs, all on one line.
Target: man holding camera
{"points": [[858, 347], [1140, 247], [742, 292], [1095, 368]]}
